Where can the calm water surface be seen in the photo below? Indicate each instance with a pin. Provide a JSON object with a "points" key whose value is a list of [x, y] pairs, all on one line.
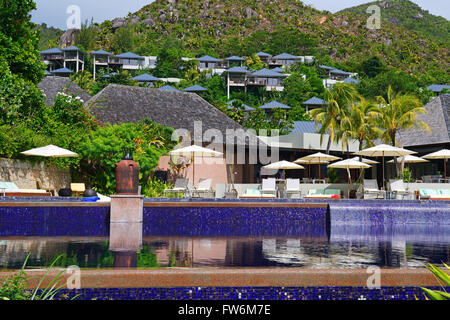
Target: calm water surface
{"points": [[340, 251]]}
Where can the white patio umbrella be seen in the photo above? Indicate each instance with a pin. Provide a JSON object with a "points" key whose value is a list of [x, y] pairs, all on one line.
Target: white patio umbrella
{"points": [[349, 164], [50, 151], [366, 161], [409, 159], [195, 151], [283, 165], [320, 158], [442, 154], [384, 150]]}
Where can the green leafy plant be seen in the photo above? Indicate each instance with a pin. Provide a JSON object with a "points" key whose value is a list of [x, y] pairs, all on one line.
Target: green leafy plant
{"points": [[14, 287], [154, 188], [444, 278]]}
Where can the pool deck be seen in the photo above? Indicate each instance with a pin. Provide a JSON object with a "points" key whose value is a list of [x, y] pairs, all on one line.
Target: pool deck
{"points": [[236, 277]]}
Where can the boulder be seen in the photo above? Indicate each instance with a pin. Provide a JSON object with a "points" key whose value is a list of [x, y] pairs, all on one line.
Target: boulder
{"points": [[68, 38], [149, 22], [118, 23]]}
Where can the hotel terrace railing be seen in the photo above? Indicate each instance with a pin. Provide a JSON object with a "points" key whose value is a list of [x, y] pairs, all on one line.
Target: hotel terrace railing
{"points": [[49, 57]]}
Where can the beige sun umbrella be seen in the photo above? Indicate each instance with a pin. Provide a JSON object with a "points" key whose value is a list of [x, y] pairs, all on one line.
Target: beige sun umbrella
{"points": [[442, 154], [195, 151], [50, 151], [349, 164], [366, 161], [320, 158], [384, 150], [283, 165]]}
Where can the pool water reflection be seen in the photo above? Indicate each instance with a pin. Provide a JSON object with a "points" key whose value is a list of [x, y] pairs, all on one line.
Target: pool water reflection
{"points": [[337, 252]]}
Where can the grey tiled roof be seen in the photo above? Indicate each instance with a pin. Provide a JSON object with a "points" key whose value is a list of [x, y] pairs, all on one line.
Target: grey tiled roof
{"points": [[52, 85], [52, 51], [286, 56], [146, 78], [129, 55], [179, 110], [437, 119], [274, 105], [268, 73], [315, 101], [304, 127]]}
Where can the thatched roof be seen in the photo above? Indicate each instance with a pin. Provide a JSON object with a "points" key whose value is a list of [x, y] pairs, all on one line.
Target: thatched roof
{"points": [[179, 110], [51, 85], [437, 119]]}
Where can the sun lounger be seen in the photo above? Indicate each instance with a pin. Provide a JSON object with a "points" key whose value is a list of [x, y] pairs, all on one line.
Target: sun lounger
{"points": [[256, 194], [181, 186], [434, 194], [269, 187], [371, 190], [323, 194], [293, 188], [203, 189], [399, 189], [10, 189]]}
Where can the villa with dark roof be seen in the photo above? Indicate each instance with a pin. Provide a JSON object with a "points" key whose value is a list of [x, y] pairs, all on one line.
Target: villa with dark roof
{"points": [[50, 86], [199, 121]]}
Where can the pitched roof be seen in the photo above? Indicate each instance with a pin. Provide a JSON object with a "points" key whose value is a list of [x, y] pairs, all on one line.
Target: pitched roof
{"points": [[326, 67], [437, 118], [168, 88], [263, 54], [145, 77], [195, 88], [337, 71], [235, 58], [277, 69], [129, 55], [304, 127], [52, 51], [208, 59], [351, 80], [268, 73], [72, 48], [273, 105], [438, 87], [237, 70], [286, 56], [179, 110], [246, 107], [52, 85], [61, 70], [102, 52], [315, 102]]}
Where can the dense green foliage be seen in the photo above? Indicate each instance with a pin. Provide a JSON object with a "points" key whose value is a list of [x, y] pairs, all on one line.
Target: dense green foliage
{"points": [[411, 16], [225, 28], [444, 279]]}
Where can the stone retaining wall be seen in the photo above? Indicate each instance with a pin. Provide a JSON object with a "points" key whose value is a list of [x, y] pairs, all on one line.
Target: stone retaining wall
{"points": [[25, 174]]}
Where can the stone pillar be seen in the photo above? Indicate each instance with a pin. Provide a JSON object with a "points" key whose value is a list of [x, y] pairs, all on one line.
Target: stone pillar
{"points": [[126, 223]]}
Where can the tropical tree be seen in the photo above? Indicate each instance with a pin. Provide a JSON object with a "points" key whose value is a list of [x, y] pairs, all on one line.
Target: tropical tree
{"points": [[339, 98], [358, 122], [399, 112]]}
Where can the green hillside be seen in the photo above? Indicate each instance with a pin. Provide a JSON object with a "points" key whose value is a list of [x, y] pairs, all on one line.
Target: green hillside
{"points": [[228, 27], [411, 16]]}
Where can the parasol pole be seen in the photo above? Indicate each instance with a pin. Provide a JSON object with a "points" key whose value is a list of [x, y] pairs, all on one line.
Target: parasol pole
{"points": [[383, 173]]}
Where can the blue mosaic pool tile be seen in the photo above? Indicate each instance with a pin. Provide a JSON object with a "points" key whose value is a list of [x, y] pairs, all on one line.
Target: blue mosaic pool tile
{"points": [[248, 293]]}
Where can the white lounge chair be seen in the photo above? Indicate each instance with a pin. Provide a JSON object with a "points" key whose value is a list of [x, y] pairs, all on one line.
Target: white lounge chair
{"points": [[399, 189], [10, 189], [181, 186], [293, 188], [269, 187], [371, 190], [203, 189]]}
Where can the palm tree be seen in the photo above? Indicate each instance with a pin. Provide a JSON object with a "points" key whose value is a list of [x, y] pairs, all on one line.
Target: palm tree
{"points": [[358, 122], [398, 112], [329, 115]]}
